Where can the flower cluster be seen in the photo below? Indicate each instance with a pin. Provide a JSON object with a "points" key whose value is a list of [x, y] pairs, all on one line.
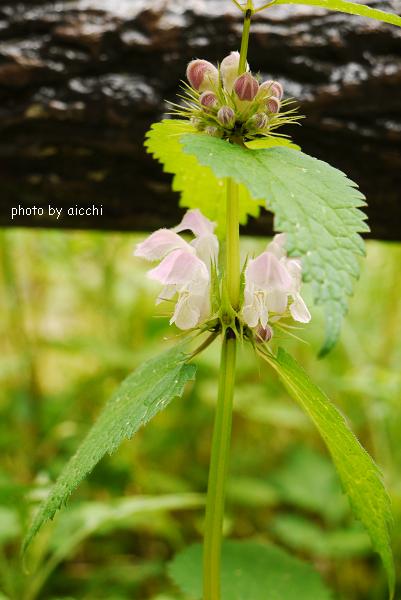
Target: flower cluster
{"points": [[185, 268], [224, 104], [272, 289], [272, 279]]}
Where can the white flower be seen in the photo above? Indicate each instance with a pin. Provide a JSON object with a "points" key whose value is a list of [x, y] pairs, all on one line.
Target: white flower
{"points": [[272, 282], [185, 268]]}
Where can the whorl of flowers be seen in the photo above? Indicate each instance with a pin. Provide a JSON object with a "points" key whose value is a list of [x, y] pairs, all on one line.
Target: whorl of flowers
{"points": [[223, 103], [189, 274]]}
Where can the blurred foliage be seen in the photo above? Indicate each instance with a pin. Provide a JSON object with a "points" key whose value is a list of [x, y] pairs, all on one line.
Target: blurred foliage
{"points": [[78, 314]]}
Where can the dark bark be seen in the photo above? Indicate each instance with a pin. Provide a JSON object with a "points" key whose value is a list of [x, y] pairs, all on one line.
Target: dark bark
{"points": [[81, 81]]}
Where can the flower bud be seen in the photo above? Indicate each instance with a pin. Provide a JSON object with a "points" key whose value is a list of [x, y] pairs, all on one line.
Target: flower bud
{"points": [[226, 116], [277, 90], [213, 131], [246, 87], [202, 75], [263, 334], [273, 105], [229, 70], [258, 121], [197, 123], [208, 99], [271, 88]]}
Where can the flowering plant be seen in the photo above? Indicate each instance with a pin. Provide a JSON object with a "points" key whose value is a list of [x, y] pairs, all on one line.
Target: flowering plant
{"points": [[229, 159]]}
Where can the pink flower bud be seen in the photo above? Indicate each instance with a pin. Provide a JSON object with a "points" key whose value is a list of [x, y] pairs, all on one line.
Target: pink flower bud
{"points": [[258, 121], [277, 90], [264, 334], [246, 87], [273, 105], [226, 116], [208, 99], [202, 75], [271, 88]]}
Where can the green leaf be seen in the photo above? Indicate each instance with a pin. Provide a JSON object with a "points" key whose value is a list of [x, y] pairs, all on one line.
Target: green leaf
{"points": [[303, 535], [314, 203], [360, 477], [198, 186], [350, 8], [271, 142], [248, 571], [143, 394], [307, 480], [88, 518]]}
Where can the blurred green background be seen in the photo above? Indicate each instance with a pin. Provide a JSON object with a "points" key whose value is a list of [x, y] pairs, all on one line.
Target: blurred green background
{"points": [[78, 314]]}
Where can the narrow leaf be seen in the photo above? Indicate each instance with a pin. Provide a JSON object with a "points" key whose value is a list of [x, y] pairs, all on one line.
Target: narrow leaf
{"points": [[314, 203], [360, 477], [251, 571], [351, 8], [143, 394]]}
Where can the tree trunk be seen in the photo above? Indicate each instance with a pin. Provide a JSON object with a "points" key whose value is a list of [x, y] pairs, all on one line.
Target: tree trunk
{"points": [[82, 80]]}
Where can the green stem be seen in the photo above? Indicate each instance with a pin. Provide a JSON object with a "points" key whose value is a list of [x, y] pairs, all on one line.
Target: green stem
{"points": [[218, 471], [232, 244], [222, 426], [245, 37]]}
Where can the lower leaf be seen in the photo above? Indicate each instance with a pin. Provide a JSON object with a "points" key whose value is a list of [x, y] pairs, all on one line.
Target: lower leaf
{"points": [[360, 476], [251, 571], [143, 394]]}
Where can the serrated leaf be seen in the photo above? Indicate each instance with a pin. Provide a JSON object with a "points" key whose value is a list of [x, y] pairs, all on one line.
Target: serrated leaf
{"points": [[143, 394], [314, 203], [351, 8], [360, 477], [271, 142], [198, 186], [249, 570]]}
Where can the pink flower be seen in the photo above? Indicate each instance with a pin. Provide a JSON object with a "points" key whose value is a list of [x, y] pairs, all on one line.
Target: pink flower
{"points": [[205, 242], [271, 281], [202, 75], [298, 308], [185, 268]]}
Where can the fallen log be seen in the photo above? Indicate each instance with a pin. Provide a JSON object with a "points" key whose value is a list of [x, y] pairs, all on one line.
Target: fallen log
{"points": [[82, 80]]}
